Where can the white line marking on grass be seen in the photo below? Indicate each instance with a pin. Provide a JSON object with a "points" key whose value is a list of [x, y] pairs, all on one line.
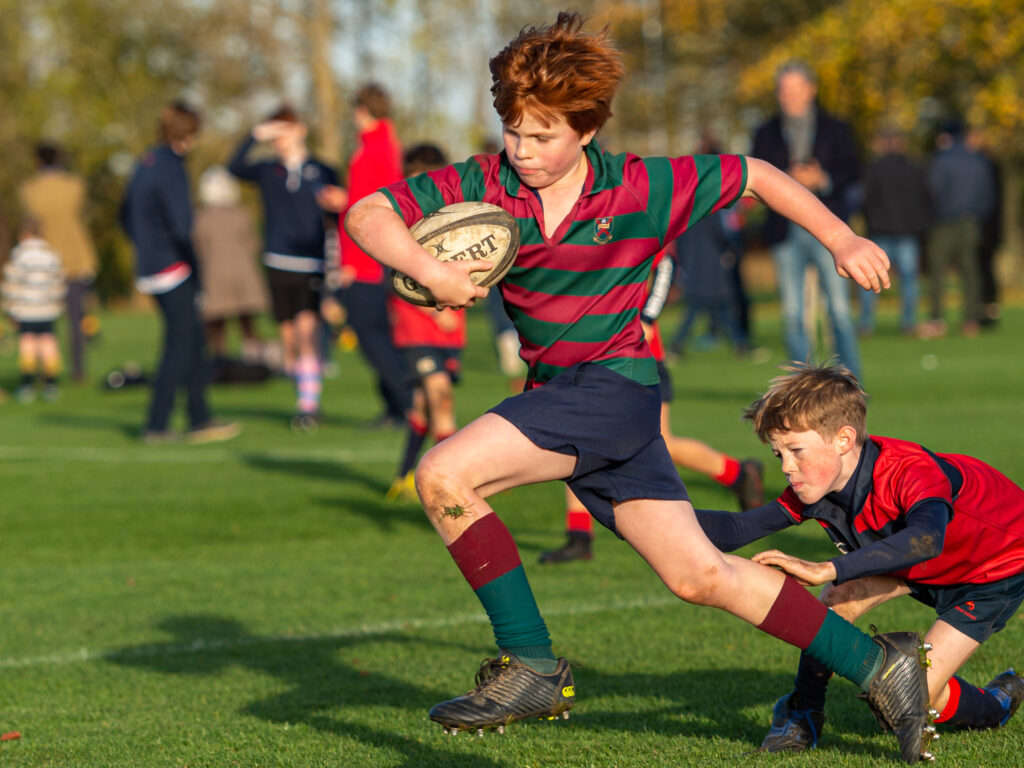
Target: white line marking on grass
{"points": [[199, 646], [195, 455]]}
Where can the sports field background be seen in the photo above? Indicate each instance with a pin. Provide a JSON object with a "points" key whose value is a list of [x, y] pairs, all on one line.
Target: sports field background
{"points": [[259, 603]]}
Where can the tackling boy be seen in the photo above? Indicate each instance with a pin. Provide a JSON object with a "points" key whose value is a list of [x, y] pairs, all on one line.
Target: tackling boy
{"points": [[590, 224], [946, 529]]}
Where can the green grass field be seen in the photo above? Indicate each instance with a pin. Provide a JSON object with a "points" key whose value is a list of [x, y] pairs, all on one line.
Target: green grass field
{"points": [[258, 603]]}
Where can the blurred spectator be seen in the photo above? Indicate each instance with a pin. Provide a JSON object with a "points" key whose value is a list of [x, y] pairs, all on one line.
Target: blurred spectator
{"points": [[991, 231], [363, 282], [432, 341], [964, 191], [33, 295], [897, 210], [56, 198], [157, 215], [817, 150], [226, 246], [706, 257], [291, 186], [506, 339]]}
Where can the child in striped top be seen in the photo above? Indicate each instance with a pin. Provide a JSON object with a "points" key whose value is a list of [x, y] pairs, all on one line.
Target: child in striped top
{"points": [[33, 297]]}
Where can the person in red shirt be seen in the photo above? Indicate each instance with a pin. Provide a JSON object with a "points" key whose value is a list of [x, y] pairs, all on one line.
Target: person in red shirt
{"points": [[363, 290], [944, 528], [432, 342]]}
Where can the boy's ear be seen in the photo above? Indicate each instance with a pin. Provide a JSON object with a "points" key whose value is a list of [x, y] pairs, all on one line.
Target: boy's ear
{"points": [[846, 438]]}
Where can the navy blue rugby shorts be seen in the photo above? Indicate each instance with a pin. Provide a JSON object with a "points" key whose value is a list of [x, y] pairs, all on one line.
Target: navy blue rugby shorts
{"points": [[612, 425], [977, 610]]}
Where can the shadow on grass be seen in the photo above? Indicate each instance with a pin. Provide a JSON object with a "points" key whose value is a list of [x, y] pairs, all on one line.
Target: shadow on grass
{"points": [[323, 685], [373, 506], [130, 428], [328, 688], [283, 415], [715, 704]]}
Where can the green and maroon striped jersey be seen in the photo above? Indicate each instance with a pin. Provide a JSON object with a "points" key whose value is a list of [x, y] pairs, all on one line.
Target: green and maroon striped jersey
{"points": [[576, 297]]}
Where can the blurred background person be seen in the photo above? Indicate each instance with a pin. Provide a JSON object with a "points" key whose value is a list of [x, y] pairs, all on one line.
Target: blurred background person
{"points": [[432, 342], [227, 245], [897, 212], [56, 198], [991, 230], [817, 150], [706, 258], [291, 187], [364, 286], [964, 191], [33, 296], [506, 340], [157, 215]]}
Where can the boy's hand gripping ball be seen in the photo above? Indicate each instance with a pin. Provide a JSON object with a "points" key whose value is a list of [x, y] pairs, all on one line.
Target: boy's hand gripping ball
{"points": [[463, 232]]}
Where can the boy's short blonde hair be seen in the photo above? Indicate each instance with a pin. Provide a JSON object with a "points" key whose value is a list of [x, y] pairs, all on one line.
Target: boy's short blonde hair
{"points": [[808, 398]]}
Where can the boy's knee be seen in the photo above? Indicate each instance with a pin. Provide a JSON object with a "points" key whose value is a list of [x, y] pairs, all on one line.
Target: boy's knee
{"points": [[433, 478], [698, 589]]}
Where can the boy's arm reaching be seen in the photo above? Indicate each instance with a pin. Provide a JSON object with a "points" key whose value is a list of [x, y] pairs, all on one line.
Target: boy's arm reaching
{"points": [[729, 531], [921, 540], [855, 257]]}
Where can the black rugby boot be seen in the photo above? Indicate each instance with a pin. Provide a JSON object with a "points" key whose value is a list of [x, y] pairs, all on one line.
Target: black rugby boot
{"points": [[898, 694], [507, 690], [578, 547]]}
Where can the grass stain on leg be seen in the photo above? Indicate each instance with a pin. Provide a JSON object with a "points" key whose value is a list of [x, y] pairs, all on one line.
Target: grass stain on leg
{"points": [[454, 512]]}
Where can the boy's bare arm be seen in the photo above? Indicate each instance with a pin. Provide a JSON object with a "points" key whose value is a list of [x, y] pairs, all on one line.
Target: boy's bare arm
{"points": [[379, 231], [855, 257]]}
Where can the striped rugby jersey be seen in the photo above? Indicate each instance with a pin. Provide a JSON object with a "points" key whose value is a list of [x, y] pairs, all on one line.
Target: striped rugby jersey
{"points": [[576, 297]]}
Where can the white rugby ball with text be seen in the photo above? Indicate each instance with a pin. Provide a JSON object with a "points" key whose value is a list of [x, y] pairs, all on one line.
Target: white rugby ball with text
{"points": [[470, 231]]}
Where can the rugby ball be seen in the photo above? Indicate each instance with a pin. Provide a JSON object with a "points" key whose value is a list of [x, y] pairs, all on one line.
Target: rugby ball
{"points": [[470, 231]]}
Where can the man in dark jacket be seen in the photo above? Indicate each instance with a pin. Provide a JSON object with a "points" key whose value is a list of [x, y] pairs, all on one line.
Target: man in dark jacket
{"points": [[817, 150], [157, 215], [964, 191], [897, 210]]}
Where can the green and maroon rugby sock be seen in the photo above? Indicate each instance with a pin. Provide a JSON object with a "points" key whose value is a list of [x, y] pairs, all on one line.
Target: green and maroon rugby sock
{"points": [[488, 558], [798, 618]]}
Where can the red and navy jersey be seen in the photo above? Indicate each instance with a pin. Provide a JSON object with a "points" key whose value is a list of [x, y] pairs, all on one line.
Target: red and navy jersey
{"points": [[576, 296], [413, 326], [984, 538]]}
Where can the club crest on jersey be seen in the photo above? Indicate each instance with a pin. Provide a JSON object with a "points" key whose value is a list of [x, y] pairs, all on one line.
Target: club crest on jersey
{"points": [[603, 229]]}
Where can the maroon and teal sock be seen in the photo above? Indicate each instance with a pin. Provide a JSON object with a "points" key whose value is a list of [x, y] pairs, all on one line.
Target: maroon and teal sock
{"points": [[415, 436], [971, 707], [488, 558], [798, 618]]}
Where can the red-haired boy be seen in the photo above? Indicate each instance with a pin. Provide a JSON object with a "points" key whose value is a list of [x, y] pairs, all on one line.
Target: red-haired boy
{"points": [[590, 224]]}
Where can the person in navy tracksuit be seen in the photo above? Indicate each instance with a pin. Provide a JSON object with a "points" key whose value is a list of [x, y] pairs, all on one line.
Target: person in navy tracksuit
{"points": [[292, 186], [157, 215]]}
